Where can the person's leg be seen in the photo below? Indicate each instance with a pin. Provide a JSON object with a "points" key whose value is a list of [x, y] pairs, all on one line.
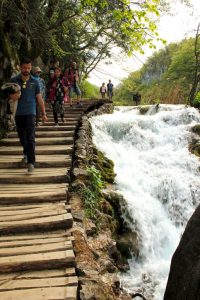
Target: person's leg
{"points": [[21, 131], [30, 135], [110, 95], [62, 113], [55, 116], [70, 95], [78, 93]]}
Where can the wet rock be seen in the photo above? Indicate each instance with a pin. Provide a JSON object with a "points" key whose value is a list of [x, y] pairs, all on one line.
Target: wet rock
{"points": [[108, 266], [144, 109], [196, 129], [128, 244], [194, 147], [183, 281]]}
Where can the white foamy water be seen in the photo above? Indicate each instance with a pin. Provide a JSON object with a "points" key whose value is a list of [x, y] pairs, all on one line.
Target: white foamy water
{"points": [[159, 178]]}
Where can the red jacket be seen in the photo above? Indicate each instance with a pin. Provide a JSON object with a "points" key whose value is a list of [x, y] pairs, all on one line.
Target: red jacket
{"points": [[52, 89]]}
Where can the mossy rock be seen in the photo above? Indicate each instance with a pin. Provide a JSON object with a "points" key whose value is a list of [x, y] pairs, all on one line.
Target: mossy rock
{"points": [[106, 207], [144, 109], [128, 244], [121, 213], [196, 129], [105, 166], [194, 148]]}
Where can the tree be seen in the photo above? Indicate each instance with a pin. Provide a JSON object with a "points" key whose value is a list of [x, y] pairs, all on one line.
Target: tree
{"points": [[196, 71], [87, 29]]}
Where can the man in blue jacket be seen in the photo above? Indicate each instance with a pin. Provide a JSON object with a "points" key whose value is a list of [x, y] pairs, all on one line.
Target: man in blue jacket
{"points": [[26, 111]]}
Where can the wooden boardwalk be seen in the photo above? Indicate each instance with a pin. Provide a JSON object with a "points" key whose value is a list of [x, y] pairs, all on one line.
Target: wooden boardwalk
{"points": [[36, 245]]}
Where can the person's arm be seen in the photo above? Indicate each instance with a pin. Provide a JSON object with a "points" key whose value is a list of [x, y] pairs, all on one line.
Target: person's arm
{"points": [[42, 107]]}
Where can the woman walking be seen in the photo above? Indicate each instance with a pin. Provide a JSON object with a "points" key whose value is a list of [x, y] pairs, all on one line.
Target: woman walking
{"points": [[57, 95]]}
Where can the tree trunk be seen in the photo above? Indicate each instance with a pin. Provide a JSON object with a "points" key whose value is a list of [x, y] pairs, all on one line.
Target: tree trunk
{"points": [[197, 69]]}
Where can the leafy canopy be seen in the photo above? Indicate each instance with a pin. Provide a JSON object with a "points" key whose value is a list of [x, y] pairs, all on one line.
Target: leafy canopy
{"points": [[83, 29]]}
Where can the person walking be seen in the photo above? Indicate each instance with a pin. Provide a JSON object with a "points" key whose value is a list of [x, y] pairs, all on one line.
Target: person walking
{"points": [[71, 77], [103, 90], [26, 111], [136, 98], [110, 90], [10, 93], [57, 95]]}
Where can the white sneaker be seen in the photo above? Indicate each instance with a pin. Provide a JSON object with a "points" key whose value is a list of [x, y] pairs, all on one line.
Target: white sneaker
{"points": [[56, 125], [30, 168]]}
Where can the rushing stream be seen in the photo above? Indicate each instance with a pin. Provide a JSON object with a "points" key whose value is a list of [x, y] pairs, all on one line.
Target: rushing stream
{"points": [[159, 178]]}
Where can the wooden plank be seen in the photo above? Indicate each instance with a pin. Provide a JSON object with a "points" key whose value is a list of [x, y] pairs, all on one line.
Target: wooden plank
{"points": [[69, 122], [32, 242], [45, 149], [37, 171], [62, 160], [39, 141], [38, 197], [55, 293], [59, 128], [50, 133], [41, 248], [33, 189], [40, 235], [38, 274], [34, 186], [28, 207], [44, 175], [38, 283], [46, 223], [8, 211], [39, 261], [33, 215]]}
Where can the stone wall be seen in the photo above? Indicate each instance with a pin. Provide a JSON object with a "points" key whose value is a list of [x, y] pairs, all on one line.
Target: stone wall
{"points": [[97, 257]]}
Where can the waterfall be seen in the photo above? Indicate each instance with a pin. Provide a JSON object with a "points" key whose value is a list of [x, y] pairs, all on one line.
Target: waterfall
{"points": [[159, 179]]}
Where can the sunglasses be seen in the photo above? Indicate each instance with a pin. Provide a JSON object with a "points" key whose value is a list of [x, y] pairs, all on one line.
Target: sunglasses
{"points": [[24, 83]]}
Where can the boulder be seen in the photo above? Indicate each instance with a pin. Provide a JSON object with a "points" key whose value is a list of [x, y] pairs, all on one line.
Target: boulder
{"points": [[184, 277]]}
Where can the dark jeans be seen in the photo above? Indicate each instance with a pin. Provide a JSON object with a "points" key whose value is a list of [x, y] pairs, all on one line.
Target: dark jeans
{"points": [[26, 133], [55, 114]]}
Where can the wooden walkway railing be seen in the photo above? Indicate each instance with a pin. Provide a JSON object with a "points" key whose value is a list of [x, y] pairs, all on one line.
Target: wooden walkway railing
{"points": [[37, 261]]}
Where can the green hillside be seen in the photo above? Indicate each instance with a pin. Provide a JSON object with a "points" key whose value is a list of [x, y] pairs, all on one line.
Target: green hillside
{"points": [[166, 77]]}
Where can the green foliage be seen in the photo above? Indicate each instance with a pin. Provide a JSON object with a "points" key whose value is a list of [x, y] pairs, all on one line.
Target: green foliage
{"points": [[85, 30], [89, 90], [166, 77], [196, 101], [91, 194]]}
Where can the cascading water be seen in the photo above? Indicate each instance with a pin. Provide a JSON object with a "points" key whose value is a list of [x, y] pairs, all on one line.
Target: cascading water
{"points": [[159, 178]]}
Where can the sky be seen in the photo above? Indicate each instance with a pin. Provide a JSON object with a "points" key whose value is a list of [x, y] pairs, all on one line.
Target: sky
{"points": [[173, 28]]}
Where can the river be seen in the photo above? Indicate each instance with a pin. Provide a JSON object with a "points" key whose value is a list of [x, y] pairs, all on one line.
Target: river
{"points": [[159, 179]]}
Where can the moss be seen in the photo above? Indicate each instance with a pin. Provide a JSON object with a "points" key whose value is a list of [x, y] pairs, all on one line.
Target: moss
{"points": [[194, 148], [197, 153], [104, 165], [120, 210], [143, 109], [196, 129]]}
